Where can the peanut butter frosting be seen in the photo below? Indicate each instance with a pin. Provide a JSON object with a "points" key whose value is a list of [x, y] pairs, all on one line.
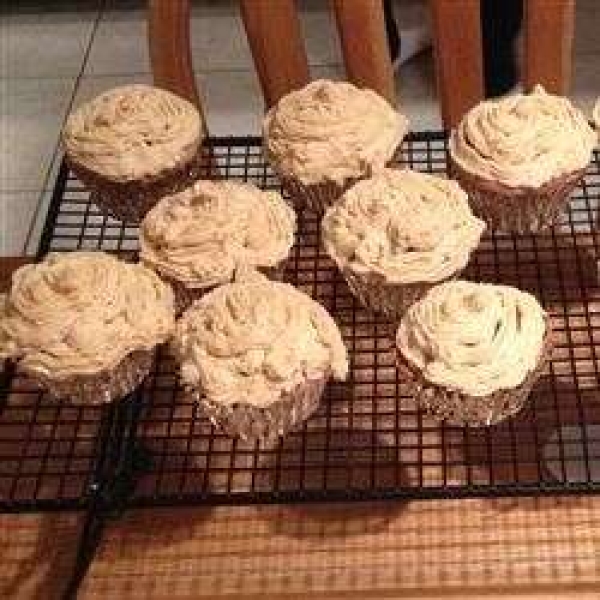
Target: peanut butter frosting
{"points": [[250, 341], [406, 226], [476, 338], [133, 132], [201, 235], [523, 140], [81, 313], [332, 131]]}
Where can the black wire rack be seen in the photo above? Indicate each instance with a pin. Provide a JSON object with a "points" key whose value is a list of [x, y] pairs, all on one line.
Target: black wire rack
{"points": [[368, 440]]}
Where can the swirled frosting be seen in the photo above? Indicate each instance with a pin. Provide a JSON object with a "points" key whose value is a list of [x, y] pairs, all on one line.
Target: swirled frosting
{"points": [[473, 337], [523, 140], [201, 235], [332, 131], [83, 312], [249, 341], [132, 132], [406, 226], [596, 116]]}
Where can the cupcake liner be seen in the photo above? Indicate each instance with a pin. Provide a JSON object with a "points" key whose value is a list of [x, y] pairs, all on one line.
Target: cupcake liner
{"points": [[460, 409], [316, 197], [266, 423], [391, 300], [103, 387], [517, 209], [130, 201], [185, 295]]}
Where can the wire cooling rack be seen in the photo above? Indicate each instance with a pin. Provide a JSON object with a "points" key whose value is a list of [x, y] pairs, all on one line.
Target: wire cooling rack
{"points": [[368, 439]]}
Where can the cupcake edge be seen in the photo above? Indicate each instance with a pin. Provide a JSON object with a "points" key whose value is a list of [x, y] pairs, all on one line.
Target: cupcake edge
{"points": [[391, 300], [459, 409], [186, 295], [103, 387], [130, 201], [265, 423], [517, 209]]}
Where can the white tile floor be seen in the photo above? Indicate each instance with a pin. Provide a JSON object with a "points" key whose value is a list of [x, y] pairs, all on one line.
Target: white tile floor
{"points": [[56, 53]]}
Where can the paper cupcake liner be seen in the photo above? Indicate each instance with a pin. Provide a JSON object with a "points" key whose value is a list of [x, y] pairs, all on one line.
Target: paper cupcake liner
{"points": [[185, 295], [130, 201], [316, 197], [103, 387], [391, 300], [517, 209], [460, 409], [265, 423]]}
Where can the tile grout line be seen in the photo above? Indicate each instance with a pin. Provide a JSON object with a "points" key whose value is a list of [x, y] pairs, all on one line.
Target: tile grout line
{"points": [[76, 83]]}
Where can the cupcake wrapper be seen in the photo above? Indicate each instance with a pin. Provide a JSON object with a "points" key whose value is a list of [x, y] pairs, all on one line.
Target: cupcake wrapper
{"points": [[316, 197], [266, 423], [103, 387], [517, 209], [391, 300], [130, 201], [460, 409], [186, 296]]}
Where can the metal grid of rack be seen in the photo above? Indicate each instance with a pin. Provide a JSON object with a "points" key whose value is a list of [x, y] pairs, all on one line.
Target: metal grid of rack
{"points": [[368, 439]]}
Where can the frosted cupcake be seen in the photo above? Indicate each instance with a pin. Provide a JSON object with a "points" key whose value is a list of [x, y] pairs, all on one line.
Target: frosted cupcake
{"points": [[326, 136], [256, 355], [197, 238], [132, 145], [520, 157], [84, 324], [473, 351], [397, 234]]}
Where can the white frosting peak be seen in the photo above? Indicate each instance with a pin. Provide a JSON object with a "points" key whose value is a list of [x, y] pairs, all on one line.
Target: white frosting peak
{"points": [[250, 341], [82, 312], [332, 131], [132, 132], [473, 337], [201, 235], [523, 140], [407, 226]]}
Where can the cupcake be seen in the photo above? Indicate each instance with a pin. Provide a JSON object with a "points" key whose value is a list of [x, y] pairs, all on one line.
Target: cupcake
{"points": [[197, 238], [473, 351], [132, 145], [84, 324], [324, 137], [520, 157], [397, 234], [256, 354]]}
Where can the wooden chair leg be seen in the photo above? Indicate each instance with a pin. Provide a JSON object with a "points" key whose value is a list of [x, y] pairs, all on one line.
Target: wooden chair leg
{"points": [[549, 26], [275, 38], [170, 51], [458, 56], [361, 27]]}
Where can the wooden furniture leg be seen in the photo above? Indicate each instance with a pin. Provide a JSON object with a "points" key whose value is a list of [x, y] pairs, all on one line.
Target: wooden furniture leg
{"points": [[459, 63], [361, 27], [548, 44], [275, 39], [170, 51]]}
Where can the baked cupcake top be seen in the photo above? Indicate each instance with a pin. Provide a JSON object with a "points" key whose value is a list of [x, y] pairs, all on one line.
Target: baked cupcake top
{"points": [[476, 338], [83, 312], [403, 225], [249, 341], [331, 131], [201, 235], [523, 140], [133, 132]]}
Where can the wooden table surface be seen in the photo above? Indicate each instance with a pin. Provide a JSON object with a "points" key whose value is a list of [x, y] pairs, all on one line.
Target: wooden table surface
{"points": [[494, 548]]}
